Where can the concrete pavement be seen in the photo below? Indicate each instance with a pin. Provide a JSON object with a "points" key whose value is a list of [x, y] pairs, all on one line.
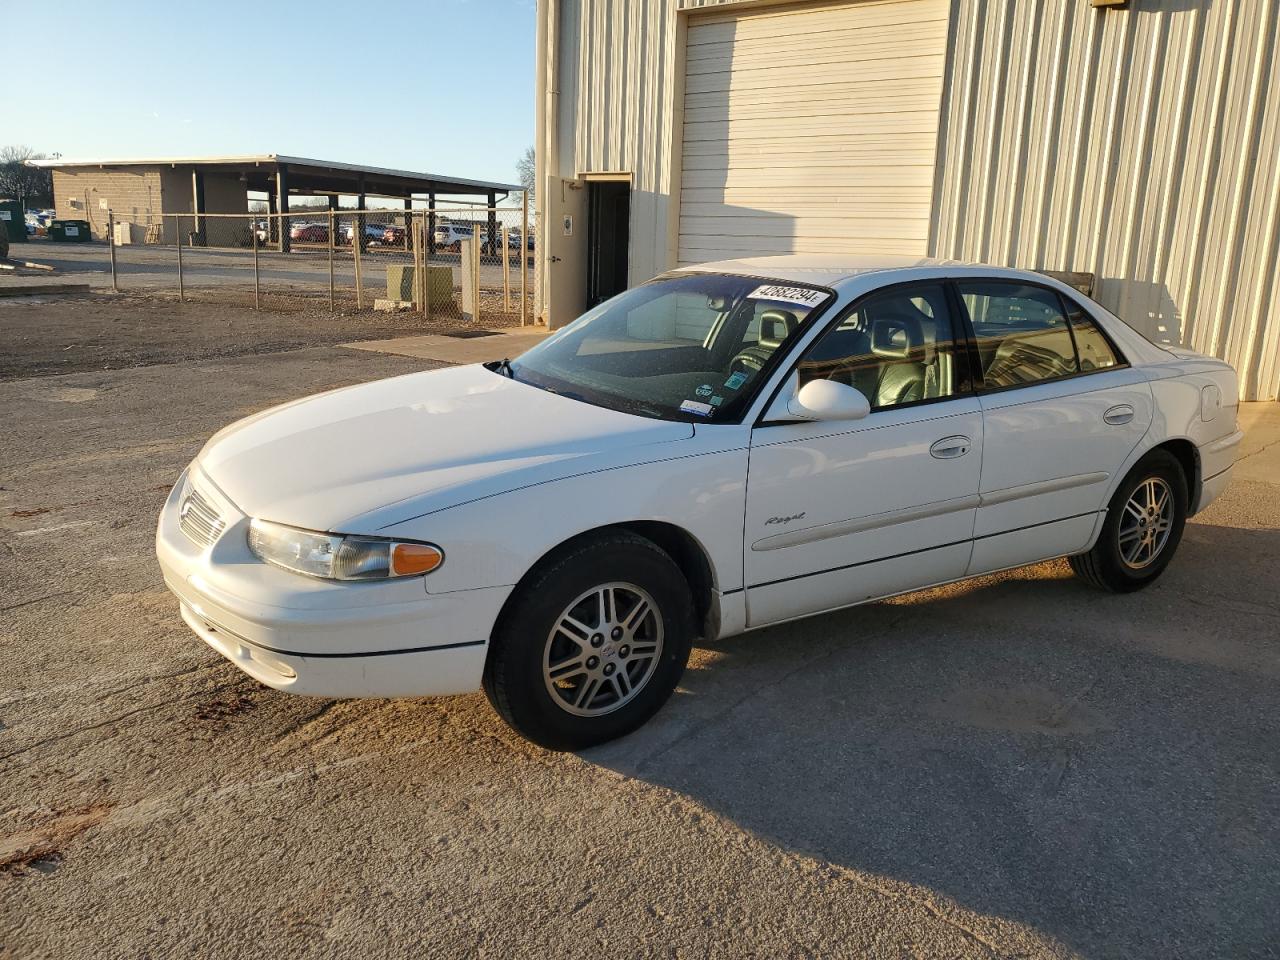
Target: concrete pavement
{"points": [[1017, 766], [505, 342]]}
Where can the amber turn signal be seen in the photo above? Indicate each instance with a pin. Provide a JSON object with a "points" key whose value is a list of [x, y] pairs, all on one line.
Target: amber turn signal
{"points": [[410, 559]]}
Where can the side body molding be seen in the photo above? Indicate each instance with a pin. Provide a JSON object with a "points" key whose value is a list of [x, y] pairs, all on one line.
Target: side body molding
{"points": [[844, 528]]}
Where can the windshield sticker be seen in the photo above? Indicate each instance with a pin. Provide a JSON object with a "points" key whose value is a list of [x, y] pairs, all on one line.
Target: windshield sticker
{"points": [[693, 406], [801, 295], [704, 391], [736, 380], [717, 400]]}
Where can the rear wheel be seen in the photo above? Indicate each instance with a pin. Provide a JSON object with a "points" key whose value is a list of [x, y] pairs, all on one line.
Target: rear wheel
{"points": [[592, 646], [1143, 527]]}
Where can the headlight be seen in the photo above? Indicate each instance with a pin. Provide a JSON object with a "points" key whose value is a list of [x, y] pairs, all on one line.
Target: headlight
{"points": [[341, 557]]}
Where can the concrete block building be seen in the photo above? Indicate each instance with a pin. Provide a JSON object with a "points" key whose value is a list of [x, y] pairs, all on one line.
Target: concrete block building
{"points": [[141, 191]]}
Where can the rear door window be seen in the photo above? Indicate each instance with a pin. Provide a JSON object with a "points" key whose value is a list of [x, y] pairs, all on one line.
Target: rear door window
{"points": [[1022, 333]]}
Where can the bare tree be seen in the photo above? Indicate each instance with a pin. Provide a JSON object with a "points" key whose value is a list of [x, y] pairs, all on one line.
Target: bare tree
{"points": [[25, 183], [527, 172]]}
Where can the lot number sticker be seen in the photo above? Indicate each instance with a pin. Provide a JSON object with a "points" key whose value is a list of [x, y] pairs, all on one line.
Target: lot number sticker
{"points": [[801, 295], [694, 406]]}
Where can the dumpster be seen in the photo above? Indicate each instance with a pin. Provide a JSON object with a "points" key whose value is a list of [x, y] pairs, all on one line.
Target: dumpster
{"points": [[13, 221], [70, 231]]}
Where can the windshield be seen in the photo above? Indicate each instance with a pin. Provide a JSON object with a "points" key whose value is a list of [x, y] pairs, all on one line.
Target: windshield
{"points": [[689, 347]]}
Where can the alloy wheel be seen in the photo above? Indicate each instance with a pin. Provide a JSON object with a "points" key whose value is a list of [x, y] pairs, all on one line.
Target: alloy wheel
{"points": [[1146, 523], [603, 649]]}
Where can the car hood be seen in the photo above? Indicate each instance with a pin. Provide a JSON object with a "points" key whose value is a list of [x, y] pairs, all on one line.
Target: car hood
{"points": [[360, 458]]}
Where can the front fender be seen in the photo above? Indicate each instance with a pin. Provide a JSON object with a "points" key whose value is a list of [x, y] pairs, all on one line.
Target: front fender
{"points": [[494, 541]]}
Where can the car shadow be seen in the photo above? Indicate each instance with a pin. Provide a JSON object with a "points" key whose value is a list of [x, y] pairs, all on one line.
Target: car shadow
{"points": [[1104, 769]]}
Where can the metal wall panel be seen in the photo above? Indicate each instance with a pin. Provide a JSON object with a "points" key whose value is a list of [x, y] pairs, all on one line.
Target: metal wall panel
{"points": [[619, 89], [617, 79], [1141, 144]]}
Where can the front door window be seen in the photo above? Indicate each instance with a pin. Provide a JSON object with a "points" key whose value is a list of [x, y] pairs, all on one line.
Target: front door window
{"points": [[898, 347]]}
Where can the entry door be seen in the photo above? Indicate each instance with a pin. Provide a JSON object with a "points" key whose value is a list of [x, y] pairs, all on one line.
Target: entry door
{"points": [[608, 238], [841, 512], [567, 253]]}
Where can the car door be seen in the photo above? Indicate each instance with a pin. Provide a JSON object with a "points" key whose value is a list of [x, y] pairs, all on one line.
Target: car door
{"points": [[1061, 412], [843, 511]]}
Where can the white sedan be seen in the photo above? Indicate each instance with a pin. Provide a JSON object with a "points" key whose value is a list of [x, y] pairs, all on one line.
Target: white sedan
{"points": [[726, 447]]}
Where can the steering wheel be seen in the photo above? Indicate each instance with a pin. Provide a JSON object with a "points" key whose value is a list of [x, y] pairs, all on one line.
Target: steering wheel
{"points": [[751, 360]]}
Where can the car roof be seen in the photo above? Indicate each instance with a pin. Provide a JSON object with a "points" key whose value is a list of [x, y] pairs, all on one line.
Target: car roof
{"points": [[828, 270], [838, 270], [855, 275]]}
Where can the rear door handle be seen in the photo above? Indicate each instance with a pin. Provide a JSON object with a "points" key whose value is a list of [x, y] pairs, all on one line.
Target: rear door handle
{"points": [[1118, 415], [948, 448]]}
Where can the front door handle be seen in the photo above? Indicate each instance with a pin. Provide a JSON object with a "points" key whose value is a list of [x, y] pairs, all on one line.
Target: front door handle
{"points": [[948, 448], [1118, 415]]}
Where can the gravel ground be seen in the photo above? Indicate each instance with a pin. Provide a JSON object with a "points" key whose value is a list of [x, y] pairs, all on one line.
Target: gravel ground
{"points": [[1012, 767], [47, 335], [297, 281]]}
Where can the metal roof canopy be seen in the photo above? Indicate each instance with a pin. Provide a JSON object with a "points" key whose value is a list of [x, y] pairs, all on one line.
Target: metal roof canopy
{"points": [[312, 177]]}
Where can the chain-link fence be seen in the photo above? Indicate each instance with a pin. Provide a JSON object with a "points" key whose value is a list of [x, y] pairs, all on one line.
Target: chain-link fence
{"points": [[467, 264]]}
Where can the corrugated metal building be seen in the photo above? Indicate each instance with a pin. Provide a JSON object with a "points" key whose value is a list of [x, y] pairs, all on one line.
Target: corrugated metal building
{"points": [[1140, 143]]}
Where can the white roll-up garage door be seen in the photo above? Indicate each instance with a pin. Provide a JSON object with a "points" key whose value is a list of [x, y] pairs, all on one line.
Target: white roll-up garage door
{"points": [[811, 129]]}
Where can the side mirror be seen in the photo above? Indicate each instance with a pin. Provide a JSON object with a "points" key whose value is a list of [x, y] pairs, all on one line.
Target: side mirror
{"points": [[828, 400]]}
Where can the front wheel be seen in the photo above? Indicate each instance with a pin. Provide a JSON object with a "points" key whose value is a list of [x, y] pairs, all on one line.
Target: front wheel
{"points": [[1143, 527], [592, 646]]}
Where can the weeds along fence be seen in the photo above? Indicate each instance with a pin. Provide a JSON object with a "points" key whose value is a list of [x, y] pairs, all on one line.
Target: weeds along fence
{"points": [[468, 264]]}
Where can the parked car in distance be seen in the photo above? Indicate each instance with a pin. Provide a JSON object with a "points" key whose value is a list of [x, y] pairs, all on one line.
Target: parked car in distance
{"points": [[726, 447], [309, 232], [513, 240], [373, 232], [393, 235], [449, 236]]}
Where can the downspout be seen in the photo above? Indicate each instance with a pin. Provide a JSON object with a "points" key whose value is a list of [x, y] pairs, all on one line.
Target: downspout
{"points": [[539, 151], [547, 161]]}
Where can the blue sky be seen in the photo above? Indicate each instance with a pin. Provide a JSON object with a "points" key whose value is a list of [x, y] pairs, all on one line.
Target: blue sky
{"points": [[441, 86]]}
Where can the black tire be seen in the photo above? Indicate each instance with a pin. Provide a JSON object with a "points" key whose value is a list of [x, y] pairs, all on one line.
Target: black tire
{"points": [[514, 679], [1104, 566]]}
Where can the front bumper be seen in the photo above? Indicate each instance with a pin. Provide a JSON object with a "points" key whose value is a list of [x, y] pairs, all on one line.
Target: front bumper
{"points": [[317, 637]]}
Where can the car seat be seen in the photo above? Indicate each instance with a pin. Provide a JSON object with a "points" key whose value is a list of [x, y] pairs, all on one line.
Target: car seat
{"points": [[899, 337]]}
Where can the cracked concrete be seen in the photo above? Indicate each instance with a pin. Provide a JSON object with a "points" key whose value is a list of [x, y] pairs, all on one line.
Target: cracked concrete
{"points": [[1012, 767]]}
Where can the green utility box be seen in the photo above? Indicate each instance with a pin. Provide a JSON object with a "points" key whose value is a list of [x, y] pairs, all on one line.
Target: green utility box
{"points": [[13, 221], [70, 231], [401, 278]]}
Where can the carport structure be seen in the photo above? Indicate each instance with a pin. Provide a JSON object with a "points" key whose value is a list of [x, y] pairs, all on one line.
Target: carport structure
{"points": [[208, 185], [280, 176]]}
